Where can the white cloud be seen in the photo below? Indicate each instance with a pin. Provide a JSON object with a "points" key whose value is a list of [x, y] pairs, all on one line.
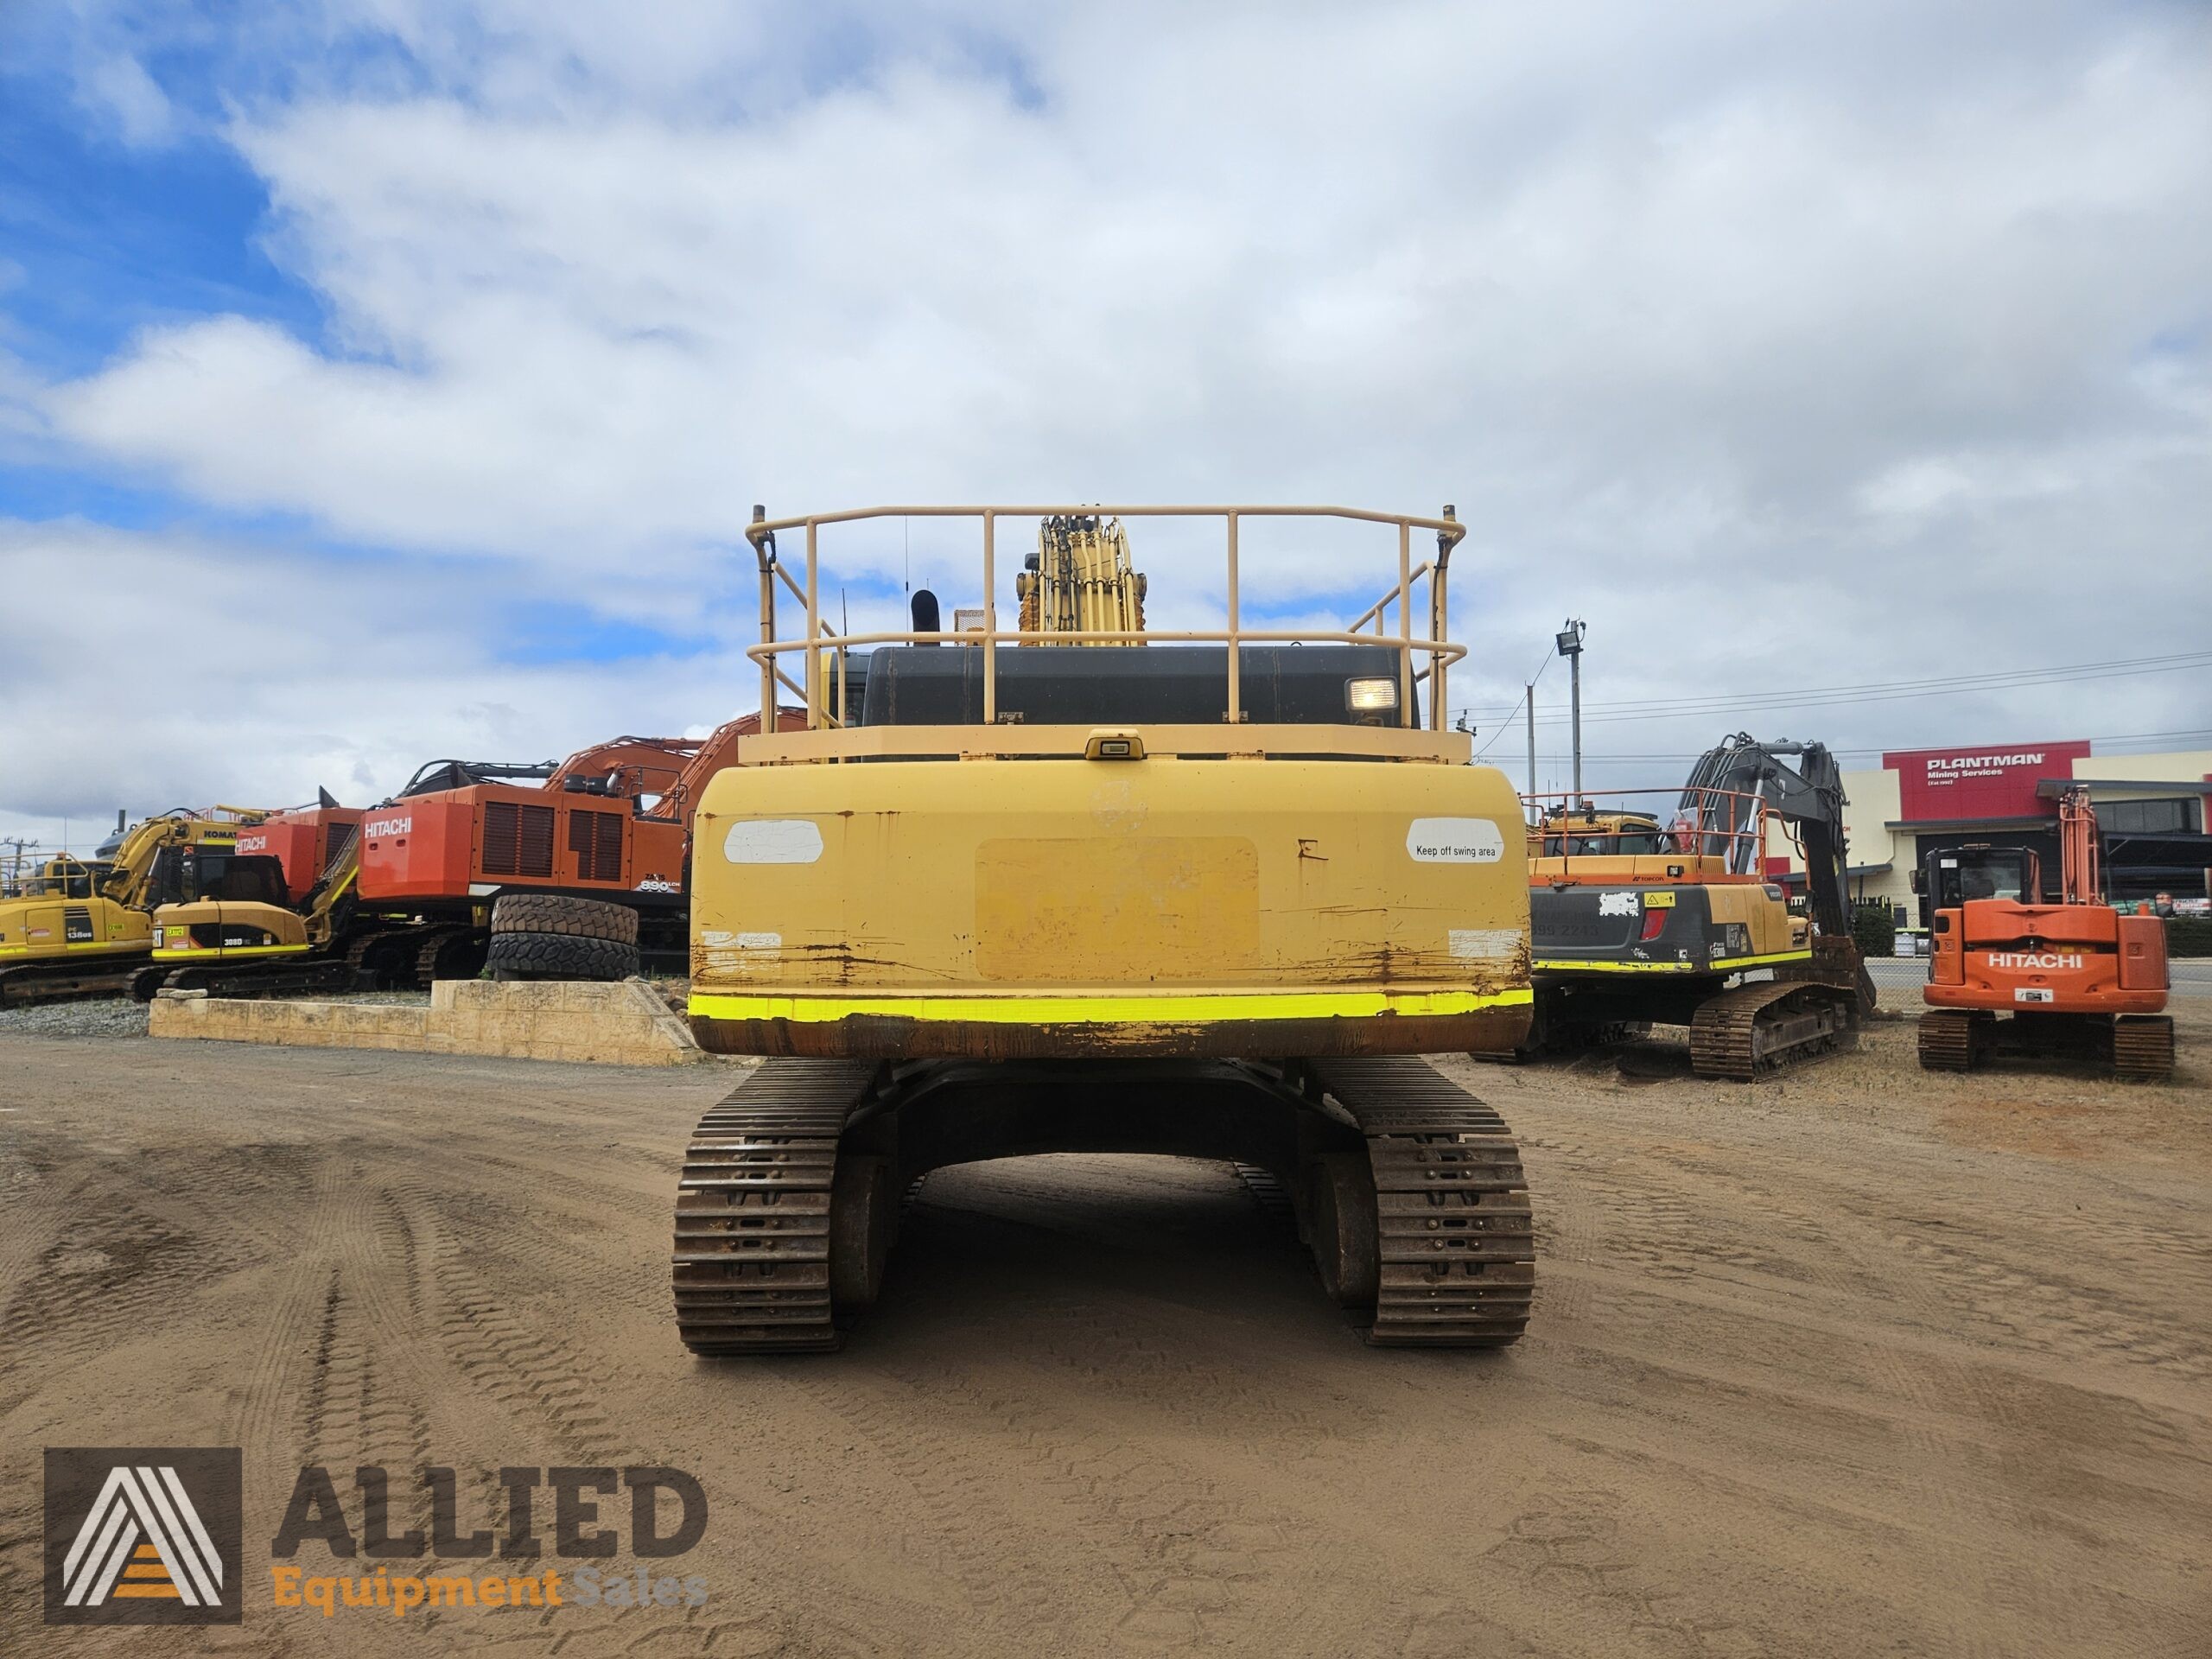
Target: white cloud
{"points": [[118, 86], [1772, 339], [169, 670]]}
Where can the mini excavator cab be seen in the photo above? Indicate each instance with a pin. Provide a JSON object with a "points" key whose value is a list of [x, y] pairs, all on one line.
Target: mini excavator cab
{"points": [[1952, 875]]}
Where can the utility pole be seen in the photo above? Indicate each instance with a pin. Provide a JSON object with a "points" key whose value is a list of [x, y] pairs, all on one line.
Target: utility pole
{"points": [[1570, 646], [17, 846], [1528, 702]]}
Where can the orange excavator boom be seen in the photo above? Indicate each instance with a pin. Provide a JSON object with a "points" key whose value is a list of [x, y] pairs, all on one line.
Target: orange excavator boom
{"points": [[2081, 881]]}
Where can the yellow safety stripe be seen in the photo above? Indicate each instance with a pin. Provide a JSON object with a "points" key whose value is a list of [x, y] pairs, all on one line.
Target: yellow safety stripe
{"points": [[1719, 965], [166, 955], [77, 948], [1018, 1010]]}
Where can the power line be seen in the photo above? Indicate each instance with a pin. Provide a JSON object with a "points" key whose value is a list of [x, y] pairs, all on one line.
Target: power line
{"points": [[2179, 657], [1890, 691], [1527, 690], [2185, 785]]}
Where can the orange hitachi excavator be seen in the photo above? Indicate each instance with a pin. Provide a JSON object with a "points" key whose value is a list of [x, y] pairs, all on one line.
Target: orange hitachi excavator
{"points": [[577, 870], [611, 823], [2077, 978]]}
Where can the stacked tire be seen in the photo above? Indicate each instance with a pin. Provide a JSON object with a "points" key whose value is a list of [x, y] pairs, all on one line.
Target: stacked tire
{"points": [[542, 936]]}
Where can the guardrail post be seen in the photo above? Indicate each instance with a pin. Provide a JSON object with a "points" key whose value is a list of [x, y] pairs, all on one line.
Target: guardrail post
{"points": [[813, 634], [1235, 648], [1405, 623], [990, 620], [765, 557]]}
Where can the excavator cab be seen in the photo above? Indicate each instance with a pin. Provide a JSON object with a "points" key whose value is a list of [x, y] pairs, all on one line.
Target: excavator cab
{"points": [[1955, 874], [1588, 833], [240, 909]]}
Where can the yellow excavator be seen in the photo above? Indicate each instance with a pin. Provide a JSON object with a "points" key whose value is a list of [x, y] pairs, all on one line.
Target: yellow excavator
{"points": [[84, 929], [243, 936], [1214, 897], [1637, 923]]}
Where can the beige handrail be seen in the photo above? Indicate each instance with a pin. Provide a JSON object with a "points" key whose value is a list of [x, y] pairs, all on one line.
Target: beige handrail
{"points": [[1440, 651]]}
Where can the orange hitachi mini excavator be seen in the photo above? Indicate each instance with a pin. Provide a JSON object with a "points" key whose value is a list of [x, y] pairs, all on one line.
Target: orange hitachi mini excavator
{"points": [[2077, 978]]}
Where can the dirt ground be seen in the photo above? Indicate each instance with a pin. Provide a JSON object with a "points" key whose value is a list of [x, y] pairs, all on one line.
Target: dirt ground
{"points": [[1858, 1362]]}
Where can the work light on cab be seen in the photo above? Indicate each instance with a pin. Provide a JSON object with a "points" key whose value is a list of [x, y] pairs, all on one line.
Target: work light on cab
{"points": [[1371, 697]]}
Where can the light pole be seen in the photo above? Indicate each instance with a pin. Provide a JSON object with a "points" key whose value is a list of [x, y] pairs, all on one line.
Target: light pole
{"points": [[1529, 703], [1570, 646]]}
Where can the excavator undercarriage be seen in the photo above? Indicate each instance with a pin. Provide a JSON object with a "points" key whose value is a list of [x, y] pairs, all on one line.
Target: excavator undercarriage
{"points": [[1408, 1190]]}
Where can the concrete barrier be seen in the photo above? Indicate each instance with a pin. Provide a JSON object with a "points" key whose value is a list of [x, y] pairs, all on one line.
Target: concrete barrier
{"points": [[627, 1024]]}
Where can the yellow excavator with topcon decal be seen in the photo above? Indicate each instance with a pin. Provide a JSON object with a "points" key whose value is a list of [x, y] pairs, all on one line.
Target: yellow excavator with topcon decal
{"points": [[1215, 897]]}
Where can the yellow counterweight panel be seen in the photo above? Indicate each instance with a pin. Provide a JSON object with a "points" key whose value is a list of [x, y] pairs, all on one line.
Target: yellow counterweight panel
{"points": [[1776, 934], [260, 929], [1073, 907], [36, 930]]}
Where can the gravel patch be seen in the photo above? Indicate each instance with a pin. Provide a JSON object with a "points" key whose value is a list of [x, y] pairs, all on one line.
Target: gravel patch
{"points": [[114, 1016]]}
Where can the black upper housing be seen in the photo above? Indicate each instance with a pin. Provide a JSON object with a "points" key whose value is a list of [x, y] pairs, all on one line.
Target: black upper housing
{"points": [[1092, 685]]}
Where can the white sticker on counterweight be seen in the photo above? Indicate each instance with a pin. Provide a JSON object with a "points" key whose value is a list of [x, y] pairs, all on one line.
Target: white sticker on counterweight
{"points": [[774, 841], [1454, 841]]}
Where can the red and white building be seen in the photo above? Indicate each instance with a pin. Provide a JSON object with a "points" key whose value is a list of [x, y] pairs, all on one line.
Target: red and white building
{"points": [[2154, 811]]}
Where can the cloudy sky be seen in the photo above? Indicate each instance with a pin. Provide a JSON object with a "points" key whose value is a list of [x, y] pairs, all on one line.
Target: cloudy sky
{"points": [[390, 380]]}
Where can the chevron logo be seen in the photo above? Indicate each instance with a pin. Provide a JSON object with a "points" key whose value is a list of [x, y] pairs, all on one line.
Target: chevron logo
{"points": [[143, 1535]]}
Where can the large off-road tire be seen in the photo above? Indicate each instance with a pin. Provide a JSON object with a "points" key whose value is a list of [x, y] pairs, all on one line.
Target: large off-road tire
{"points": [[576, 919], [559, 955]]}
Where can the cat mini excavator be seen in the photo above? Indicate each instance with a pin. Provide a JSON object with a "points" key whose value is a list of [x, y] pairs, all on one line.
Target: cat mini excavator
{"points": [[2076, 978], [1212, 893], [1638, 921], [80, 930], [252, 934]]}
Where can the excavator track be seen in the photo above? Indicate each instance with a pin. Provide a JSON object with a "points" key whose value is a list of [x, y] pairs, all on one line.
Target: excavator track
{"points": [[1767, 1023], [2143, 1046], [26, 983], [1951, 1039], [284, 976], [1454, 1235], [437, 949], [752, 1261]]}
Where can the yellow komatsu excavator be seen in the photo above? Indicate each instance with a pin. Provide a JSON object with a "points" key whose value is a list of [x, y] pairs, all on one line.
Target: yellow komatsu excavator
{"points": [[1216, 897], [84, 929]]}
